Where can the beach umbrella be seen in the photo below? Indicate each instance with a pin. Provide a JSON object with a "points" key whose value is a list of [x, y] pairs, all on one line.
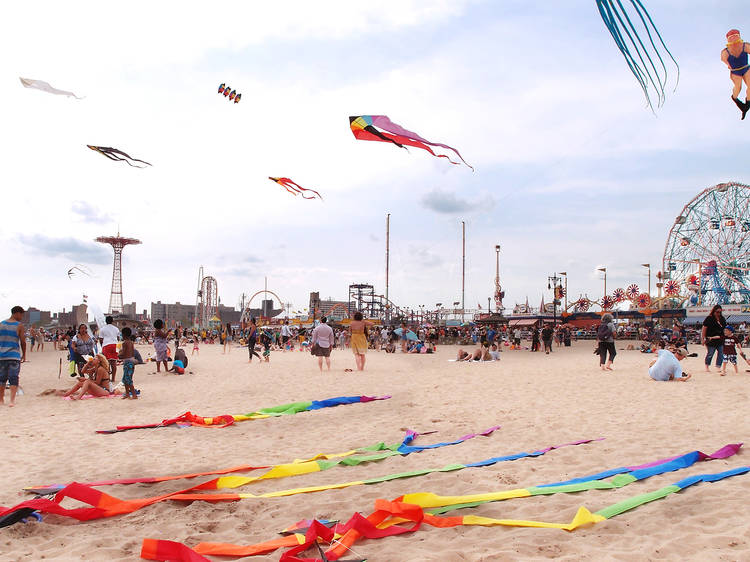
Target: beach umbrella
{"points": [[409, 334]]}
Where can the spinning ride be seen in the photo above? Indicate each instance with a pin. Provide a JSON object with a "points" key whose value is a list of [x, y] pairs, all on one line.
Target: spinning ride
{"points": [[708, 247]]}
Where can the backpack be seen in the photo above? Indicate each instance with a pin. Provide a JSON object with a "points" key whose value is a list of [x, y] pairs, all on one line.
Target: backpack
{"points": [[603, 332]]}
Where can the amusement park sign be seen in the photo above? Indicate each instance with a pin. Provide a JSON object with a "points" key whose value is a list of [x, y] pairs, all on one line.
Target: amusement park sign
{"points": [[727, 309]]}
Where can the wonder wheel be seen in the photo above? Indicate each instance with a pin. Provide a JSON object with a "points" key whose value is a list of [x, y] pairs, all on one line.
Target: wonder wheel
{"points": [[710, 240]]}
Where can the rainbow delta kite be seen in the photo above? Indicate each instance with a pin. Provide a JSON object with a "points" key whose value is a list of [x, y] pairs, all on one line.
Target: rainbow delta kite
{"points": [[365, 127], [426, 508]]}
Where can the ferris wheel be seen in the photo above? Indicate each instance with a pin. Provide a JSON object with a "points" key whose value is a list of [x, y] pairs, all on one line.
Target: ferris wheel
{"points": [[708, 247]]}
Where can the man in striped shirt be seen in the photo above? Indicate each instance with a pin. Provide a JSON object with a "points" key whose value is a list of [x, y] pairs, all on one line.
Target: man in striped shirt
{"points": [[12, 353]]}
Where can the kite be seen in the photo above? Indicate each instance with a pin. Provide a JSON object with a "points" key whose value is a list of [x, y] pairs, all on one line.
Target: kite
{"points": [[295, 189], [365, 127], [81, 269], [104, 505], [426, 508], [735, 57], [626, 37], [324, 461], [46, 87], [117, 155], [225, 420], [232, 96]]}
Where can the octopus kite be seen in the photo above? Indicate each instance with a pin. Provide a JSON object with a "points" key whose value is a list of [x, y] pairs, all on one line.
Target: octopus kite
{"points": [[117, 155], [735, 57], [295, 189], [381, 128], [625, 34], [230, 95]]}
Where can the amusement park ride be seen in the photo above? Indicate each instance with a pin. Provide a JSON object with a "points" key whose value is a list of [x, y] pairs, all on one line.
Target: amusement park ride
{"points": [[706, 258], [207, 299]]}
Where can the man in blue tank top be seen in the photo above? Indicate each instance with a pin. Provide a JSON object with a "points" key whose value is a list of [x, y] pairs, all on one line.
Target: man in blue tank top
{"points": [[12, 353], [735, 57]]}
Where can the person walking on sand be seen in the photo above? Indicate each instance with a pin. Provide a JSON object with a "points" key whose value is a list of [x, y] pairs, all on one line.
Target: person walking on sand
{"points": [[323, 341], [286, 334], [605, 335], [252, 337], [358, 341], [12, 352], [227, 337], [108, 338], [547, 333], [160, 345], [712, 336]]}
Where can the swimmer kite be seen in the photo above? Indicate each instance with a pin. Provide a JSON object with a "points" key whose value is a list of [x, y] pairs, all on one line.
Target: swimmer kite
{"points": [[635, 49], [46, 87], [232, 96], [381, 128], [294, 188], [117, 155], [735, 57]]}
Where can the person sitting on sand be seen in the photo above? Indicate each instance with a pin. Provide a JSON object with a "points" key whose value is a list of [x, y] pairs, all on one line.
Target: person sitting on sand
{"points": [[666, 367], [494, 352], [390, 347], [97, 383]]}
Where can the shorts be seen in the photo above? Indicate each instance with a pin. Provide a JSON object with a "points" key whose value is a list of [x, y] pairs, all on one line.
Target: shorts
{"points": [[284, 339], [9, 371], [322, 351], [128, 369], [730, 359], [110, 352]]}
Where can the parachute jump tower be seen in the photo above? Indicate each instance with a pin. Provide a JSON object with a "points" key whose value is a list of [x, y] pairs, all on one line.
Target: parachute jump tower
{"points": [[117, 243]]}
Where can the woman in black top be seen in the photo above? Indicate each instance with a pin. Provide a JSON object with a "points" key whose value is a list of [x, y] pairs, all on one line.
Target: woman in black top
{"points": [[712, 336]]}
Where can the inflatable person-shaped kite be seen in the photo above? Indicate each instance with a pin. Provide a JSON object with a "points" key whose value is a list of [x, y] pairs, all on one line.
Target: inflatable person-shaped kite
{"points": [[735, 57]]}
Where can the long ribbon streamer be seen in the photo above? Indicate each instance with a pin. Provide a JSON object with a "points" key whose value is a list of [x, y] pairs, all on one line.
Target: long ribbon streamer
{"points": [[424, 508], [298, 466], [225, 420], [104, 505]]}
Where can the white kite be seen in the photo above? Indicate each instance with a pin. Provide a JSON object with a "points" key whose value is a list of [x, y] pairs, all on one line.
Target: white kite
{"points": [[46, 87]]}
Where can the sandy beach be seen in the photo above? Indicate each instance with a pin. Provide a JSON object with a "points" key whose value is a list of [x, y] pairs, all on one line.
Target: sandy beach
{"points": [[537, 400]]}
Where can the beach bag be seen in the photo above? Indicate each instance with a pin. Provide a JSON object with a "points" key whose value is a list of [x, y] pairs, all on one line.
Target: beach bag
{"points": [[603, 332]]}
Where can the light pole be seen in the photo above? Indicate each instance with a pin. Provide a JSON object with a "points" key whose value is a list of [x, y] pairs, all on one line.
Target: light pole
{"points": [[604, 270], [648, 266], [387, 259], [552, 283], [498, 289], [463, 269]]}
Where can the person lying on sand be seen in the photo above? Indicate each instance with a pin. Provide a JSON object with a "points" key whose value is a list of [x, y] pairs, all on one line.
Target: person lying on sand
{"points": [[666, 367]]}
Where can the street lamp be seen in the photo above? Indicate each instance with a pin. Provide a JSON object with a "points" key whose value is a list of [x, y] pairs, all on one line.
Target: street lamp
{"points": [[604, 270], [553, 282], [648, 266]]}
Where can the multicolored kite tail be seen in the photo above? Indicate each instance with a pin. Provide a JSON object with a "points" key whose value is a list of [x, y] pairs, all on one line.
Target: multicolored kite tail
{"points": [[620, 26], [229, 419], [423, 508], [104, 505], [294, 188], [117, 155], [365, 127], [354, 457]]}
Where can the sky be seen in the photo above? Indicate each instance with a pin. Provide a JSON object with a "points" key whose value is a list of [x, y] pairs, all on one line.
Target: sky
{"points": [[572, 171]]}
